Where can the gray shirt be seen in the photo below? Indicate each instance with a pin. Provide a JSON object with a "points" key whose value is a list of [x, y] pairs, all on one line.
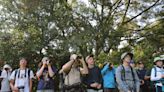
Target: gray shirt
{"points": [[125, 81]]}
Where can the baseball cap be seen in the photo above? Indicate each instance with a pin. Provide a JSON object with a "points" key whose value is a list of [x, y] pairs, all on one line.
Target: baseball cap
{"points": [[89, 57]]}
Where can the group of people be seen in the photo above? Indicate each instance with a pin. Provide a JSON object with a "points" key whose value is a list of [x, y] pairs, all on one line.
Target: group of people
{"points": [[82, 75], [21, 79]]}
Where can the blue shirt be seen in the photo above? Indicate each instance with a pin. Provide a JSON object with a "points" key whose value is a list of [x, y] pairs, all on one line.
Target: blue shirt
{"points": [[108, 77], [46, 82]]}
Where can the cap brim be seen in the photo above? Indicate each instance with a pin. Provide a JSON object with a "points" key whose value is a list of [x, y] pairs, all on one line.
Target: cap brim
{"points": [[89, 57]]}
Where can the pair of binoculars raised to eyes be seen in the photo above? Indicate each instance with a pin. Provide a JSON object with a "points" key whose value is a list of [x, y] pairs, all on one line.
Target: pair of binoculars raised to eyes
{"points": [[79, 57]]}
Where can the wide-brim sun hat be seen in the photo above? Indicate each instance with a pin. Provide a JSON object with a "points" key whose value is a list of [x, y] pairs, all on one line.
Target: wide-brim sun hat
{"points": [[125, 54]]}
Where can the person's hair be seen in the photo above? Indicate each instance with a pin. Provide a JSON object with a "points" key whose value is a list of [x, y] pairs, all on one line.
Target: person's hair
{"points": [[122, 60], [41, 63], [110, 66], [23, 58]]}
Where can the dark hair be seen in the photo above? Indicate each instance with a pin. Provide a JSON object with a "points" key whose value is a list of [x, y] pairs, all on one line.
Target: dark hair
{"points": [[110, 65]]}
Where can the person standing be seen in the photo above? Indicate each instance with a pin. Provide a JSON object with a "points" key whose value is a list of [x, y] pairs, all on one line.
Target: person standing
{"points": [[126, 76], [141, 71], [157, 73], [5, 76], [94, 78], [21, 78], [45, 76], [108, 74], [73, 73]]}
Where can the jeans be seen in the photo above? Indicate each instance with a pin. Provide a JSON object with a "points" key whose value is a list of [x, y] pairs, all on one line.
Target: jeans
{"points": [[158, 89], [108, 89]]}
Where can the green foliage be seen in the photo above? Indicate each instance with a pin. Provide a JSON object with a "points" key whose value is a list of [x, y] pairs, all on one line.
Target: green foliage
{"points": [[62, 27]]}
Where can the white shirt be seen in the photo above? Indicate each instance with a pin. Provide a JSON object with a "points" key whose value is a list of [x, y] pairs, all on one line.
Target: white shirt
{"points": [[5, 86], [159, 73], [22, 79]]}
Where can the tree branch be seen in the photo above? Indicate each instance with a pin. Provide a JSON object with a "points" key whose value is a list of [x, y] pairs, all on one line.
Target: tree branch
{"points": [[127, 7], [141, 12]]}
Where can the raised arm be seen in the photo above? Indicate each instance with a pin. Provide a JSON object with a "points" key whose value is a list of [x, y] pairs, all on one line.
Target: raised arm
{"points": [[40, 71], [66, 68], [50, 70], [104, 70], [84, 69]]}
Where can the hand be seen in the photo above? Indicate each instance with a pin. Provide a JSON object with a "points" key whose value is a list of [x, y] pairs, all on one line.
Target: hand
{"points": [[99, 86], [162, 76], [142, 82], [81, 60], [147, 77], [129, 91], [15, 89], [48, 62], [94, 85], [44, 63]]}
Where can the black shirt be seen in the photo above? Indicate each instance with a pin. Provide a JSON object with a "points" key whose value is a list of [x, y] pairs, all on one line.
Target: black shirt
{"points": [[93, 76]]}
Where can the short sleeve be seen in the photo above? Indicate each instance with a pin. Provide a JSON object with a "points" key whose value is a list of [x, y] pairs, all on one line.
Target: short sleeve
{"points": [[12, 75], [31, 74], [3, 74]]}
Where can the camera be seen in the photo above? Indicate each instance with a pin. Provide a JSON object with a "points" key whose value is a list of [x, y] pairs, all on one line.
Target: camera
{"points": [[79, 57], [6, 69], [47, 60]]}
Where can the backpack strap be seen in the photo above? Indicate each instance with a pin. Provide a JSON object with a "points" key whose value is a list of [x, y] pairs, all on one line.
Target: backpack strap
{"points": [[29, 73], [132, 74], [155, 71], [123, 73], [16, 71]]}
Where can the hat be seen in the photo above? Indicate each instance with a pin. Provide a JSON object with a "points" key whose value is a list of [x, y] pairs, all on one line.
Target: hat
{"points": [[6, 66], [157, 59], [73, 57], [45, 58], [125, 54], [88, 57], [140, 62]]}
